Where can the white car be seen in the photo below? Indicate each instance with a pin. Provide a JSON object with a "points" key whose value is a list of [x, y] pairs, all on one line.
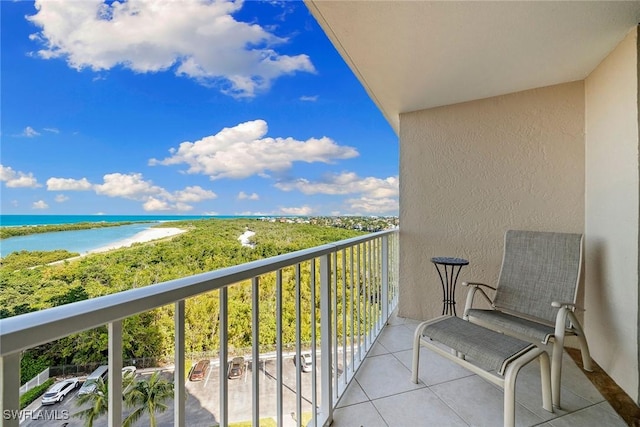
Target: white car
{"points": [[305, 362], [59, 390], [131, 370]]}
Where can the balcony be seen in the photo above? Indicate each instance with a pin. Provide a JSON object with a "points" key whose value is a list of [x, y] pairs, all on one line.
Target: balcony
{"points": [[448, 395], [343, 293], [362, 352]]}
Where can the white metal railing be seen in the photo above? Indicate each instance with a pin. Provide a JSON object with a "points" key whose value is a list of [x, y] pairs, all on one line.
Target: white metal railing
{"points": [[35, 381], [354, 281]]}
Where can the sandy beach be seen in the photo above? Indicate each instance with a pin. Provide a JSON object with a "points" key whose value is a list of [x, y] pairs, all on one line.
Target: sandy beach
{"points": [[141, 237], [244, 238]]}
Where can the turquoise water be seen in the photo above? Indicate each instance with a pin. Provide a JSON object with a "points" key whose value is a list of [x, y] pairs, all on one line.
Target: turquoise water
{"points": [[80, 241], [17, 220]]}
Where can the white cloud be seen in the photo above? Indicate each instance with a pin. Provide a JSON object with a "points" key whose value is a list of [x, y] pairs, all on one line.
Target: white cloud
{"points": [[29, 132], [61, 198], [52, 130], [131, 186], [243, 151], [376, 195], [40, 204], [194, 194], [154, 198], [345, 183], [17, 179], [252, 213], [153, 204], [68, 184], [197, 39], [309, 98], [302, 210], [244, 196], [367, 205]]}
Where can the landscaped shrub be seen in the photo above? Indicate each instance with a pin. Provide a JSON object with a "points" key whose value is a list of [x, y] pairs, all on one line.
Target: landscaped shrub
{"points": [[35, 393], [30, 367]]}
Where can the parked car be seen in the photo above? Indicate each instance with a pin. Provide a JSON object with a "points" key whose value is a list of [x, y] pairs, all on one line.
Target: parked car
{"points": [[59, 390], [91, 382], [200, 370], [128, 378], [304, 363], [129, 370], [236, 368]]}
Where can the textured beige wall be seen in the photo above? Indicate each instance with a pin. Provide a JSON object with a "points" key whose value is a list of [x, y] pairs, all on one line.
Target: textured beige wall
{"points": [[469, 172], [612, 216]]}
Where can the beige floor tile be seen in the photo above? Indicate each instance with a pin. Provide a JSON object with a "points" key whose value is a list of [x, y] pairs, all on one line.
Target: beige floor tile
{"points": [[384, 375], [574, 380], [433, 368], [353, 395], [378, 349], [417, 408], [480, 403], [529, 394], [360, 415], [598, 415], [396, 338]]}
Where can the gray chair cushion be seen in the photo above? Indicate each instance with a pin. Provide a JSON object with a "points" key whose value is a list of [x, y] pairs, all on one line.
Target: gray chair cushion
{"points": [[538, 268], [506, 322], [488, 349]]}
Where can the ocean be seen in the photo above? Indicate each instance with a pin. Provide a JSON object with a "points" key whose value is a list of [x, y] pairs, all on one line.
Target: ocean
{"points": [[80, 241], [20, 220]]}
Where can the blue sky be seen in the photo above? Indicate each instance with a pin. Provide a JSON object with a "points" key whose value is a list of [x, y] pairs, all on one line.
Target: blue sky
{"points": [[191, 107]]}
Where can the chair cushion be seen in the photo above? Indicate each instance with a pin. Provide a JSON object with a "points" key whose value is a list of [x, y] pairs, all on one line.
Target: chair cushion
{"points": [[538, 268], [503, 321], [488, 349]]}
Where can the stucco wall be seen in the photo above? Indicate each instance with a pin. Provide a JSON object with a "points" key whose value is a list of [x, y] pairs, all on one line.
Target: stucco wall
{"points": [[469, 172], [612, 215]]}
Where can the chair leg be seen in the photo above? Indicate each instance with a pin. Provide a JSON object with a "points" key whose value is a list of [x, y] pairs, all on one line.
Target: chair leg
{"points": [[416, 351], [510, 384], [584, 347], [556, 357], [545, 379], [510, 398]]}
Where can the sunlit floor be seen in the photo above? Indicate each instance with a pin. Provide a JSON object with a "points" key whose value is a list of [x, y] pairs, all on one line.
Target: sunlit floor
{"points": [[449, 395]]}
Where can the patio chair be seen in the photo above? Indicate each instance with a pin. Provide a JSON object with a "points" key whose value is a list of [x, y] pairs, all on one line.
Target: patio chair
{"points": [[536, 295]]}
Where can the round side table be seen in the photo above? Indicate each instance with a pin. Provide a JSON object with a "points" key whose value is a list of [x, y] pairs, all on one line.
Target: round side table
{"points": [[449, 270]]}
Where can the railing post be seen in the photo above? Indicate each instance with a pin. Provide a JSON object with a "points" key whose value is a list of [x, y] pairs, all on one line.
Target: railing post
{"points": [[326, 392], [9, 390], [279, 371], [255, 356], [385, 278], [314, 385], [115, 374], [298, 301], [224, 355], [179, 393]]}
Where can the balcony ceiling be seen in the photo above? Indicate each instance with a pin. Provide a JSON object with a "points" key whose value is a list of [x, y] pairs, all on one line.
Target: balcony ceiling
{"points": [[413, 55]]}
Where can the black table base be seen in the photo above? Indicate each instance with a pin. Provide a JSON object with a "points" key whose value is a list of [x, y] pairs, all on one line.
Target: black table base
{"points": [[449, 270]]}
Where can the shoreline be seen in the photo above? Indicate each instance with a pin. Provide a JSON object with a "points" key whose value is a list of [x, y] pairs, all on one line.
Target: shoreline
{"points": [[245, 238], [141, 237]]}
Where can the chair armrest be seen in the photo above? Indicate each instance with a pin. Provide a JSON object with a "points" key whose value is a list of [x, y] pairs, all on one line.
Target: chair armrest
{"points": [[569, 305], [477, 284], [475, 287]]}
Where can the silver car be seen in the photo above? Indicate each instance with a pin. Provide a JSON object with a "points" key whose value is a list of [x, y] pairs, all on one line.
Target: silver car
{"points": [[59, 390]]}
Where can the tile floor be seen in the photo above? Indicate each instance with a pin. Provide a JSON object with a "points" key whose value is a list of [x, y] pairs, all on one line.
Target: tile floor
{"points": [[382, 393]]}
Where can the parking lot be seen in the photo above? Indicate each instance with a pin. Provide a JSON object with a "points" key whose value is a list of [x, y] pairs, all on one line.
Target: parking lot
{"points": [[202, 407]]}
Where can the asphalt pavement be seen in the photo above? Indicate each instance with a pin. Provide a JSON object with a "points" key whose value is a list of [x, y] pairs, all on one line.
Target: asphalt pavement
{"points": [[202, 406]]}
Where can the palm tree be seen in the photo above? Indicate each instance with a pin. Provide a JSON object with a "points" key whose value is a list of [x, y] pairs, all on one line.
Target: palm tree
{"points": [[99, 400], [148, 396]]}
